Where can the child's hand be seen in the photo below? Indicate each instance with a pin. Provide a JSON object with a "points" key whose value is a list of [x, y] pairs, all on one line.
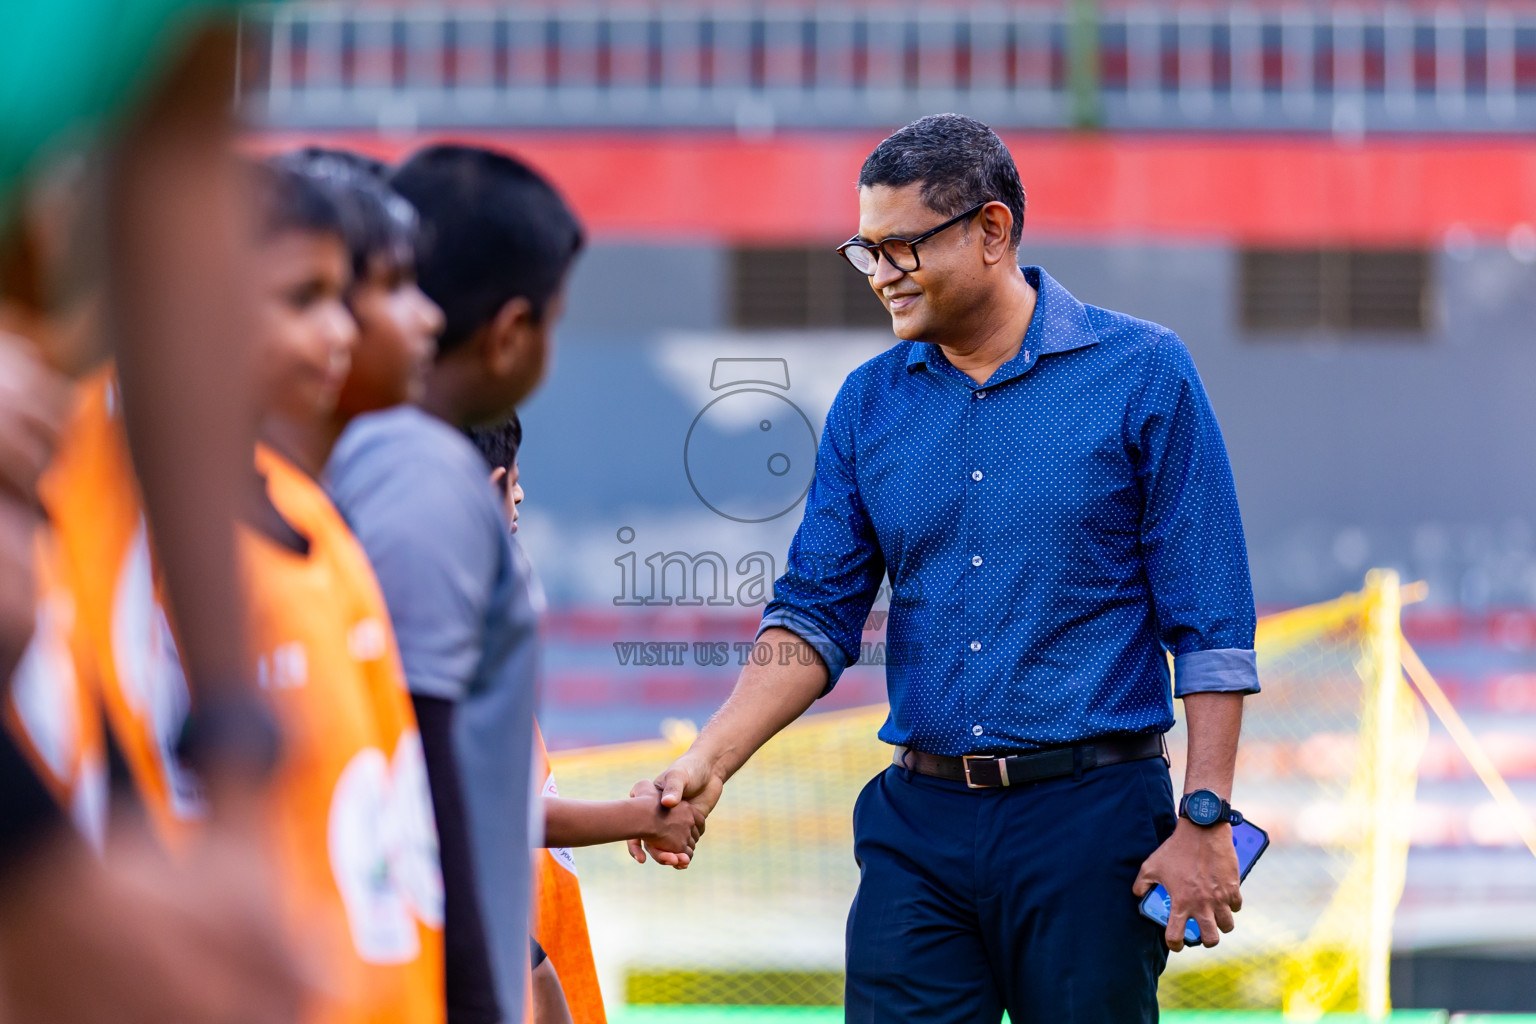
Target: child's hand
{"points": [[677, 829], [673, 832]]}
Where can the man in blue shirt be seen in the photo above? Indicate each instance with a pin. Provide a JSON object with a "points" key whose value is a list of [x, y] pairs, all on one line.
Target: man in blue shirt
{"points": [[1046, 487]]}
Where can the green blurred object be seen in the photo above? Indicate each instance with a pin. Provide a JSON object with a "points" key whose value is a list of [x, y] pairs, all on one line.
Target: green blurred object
{"points": [[1083, 64], [69, 68], [831, 1014]]}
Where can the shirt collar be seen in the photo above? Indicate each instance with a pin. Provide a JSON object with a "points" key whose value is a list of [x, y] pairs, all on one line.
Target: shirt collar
{"points": [[1060, 324]]}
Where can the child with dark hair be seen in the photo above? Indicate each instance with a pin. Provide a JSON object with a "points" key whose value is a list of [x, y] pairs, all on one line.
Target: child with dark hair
{"points": [[367, 166], [565, 985], [499, 445], [397, 323], [500, 243], [569, 823], [397, 336], [306, 335], [352, 802]]}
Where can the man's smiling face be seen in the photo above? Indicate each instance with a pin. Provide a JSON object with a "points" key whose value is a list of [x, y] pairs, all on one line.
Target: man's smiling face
{"points": [[925, 303]]}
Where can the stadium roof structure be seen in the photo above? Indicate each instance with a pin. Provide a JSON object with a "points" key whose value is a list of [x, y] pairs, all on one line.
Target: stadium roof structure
{"points": [[1220, 65]]}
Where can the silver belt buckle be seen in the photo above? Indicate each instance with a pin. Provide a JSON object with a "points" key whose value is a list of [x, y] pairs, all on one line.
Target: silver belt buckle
{"points": [[1002, 770]]}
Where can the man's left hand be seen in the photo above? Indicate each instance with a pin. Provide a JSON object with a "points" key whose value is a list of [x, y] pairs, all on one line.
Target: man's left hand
{"points": [[1198, 867]]}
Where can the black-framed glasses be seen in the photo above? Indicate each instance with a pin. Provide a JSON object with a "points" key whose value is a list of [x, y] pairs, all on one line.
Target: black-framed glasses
{"points": [[902, 252]]}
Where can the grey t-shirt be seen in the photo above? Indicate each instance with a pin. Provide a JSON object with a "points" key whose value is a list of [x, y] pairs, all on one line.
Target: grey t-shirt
{"points": [[418, 495]]}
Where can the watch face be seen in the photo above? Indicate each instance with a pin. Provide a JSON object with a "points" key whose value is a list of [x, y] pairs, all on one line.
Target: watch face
{"points": [[1203, 807]]}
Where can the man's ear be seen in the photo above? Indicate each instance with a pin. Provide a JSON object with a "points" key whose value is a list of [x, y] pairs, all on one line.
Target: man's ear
{"points": [[505, 343], [996, 228]]}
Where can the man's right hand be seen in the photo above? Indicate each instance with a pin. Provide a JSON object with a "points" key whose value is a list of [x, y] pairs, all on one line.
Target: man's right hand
{"points": [[692, 779], [673, 830], [771, 692]]}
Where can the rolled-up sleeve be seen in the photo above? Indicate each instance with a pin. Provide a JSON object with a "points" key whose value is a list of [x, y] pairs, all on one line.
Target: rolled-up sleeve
{"points": [[835, 565], [1221, 671], [1191, 532]]}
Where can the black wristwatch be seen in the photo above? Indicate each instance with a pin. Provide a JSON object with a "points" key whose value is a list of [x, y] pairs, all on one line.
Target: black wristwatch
{"points": [[231, 733], [1206, 809]]}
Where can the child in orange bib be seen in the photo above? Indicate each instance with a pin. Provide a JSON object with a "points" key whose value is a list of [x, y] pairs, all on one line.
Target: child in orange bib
{"points": [[380, 866], [349, 815], [353, 815]]}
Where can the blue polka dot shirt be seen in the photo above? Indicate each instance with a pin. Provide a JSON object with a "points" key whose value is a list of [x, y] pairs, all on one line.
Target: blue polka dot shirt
{"points": [[1048, 536]]}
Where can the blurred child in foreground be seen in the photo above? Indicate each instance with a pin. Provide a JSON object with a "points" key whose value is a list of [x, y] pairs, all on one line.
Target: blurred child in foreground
{"points": [[147, 90], [347, 815]]}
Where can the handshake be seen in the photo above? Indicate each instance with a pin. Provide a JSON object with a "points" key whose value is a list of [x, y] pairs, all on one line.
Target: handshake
{"points": [[680, 799], [653, 819], [670, 831], [662, 819], [668, 814]]}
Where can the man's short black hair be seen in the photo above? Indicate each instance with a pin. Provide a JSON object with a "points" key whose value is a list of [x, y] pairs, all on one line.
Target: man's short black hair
{"points": [[493, 230], [378, 221], [499, 444], [289, 200], [959, 161]]}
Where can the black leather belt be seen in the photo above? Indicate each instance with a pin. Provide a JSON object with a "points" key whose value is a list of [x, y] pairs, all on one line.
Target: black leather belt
{"points": [[992, 771]]}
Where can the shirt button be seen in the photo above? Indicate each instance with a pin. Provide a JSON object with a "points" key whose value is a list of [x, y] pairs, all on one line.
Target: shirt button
{"points": [[975, 645], [981, 394], [975, 474], [975, 730], [975, 559]]}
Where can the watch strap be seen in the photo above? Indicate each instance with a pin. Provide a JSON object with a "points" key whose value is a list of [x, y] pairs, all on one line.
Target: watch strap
{"points": [[235, 733]]}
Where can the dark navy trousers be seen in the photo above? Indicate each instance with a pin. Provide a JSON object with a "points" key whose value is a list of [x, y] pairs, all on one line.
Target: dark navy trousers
{"points": [[971, 902]]}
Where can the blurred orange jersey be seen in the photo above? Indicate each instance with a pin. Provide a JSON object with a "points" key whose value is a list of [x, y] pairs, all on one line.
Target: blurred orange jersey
{"points": [[52, 707], [105, 564], [353, 810], [559, 917], [355, 845]]}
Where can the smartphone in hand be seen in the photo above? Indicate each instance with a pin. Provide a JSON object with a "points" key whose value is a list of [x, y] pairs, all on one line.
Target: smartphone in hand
{"points": [[1250, 841]]}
